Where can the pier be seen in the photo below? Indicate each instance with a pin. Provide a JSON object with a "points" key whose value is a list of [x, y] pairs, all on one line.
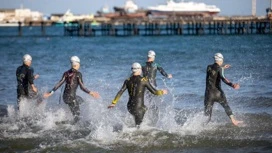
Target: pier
{"points": [[156, 27], [169, 27]]}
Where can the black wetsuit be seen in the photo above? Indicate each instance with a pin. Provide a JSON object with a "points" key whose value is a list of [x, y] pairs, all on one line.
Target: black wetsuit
{"points": [[150, 71], [213, 92], [73, 78], [136, 89], [25, 79]]}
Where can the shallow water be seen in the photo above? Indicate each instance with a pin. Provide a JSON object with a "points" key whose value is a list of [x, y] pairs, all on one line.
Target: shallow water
{"points": [[105, 64]]}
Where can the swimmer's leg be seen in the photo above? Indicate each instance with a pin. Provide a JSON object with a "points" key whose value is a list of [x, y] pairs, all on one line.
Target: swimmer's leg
{"points": [[208, 109], [74, 107], [139, 115], [228, 111]]}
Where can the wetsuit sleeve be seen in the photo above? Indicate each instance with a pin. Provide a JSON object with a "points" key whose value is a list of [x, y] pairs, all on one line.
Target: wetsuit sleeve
{"points": [[30, 77], [151, 88], [59, 84], [119, 94], [82, 87], [162, 71], [223, 78]]}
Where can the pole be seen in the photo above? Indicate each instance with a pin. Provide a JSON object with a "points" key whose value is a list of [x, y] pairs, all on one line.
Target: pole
{"points": [[253, 7], [20, 28]]}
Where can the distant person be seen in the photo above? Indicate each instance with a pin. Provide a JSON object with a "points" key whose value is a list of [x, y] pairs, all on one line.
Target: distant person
{"points": [[214, 93], [73, 79], [150, 71], [25, 81], [136, 86], [151, 68]]}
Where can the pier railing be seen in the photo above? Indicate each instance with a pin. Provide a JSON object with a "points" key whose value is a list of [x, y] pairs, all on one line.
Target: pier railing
{"points": [[155, 27]]}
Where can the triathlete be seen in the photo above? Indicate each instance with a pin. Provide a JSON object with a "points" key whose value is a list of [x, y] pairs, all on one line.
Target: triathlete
{"points": [[150, 71], [214, 93], [136, 86], [73, 79], [25, 81]]}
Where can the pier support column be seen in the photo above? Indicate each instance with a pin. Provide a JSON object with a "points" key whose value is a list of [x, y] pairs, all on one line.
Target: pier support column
{"points": [[42, 28], [270, 27], [19, 28]]}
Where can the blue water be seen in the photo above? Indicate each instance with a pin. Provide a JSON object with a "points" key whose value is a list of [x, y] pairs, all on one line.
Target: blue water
{"points": [[105, 64]]}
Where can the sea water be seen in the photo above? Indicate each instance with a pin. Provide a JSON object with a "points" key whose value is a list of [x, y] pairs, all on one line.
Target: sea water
{"points": [[106, 63]]}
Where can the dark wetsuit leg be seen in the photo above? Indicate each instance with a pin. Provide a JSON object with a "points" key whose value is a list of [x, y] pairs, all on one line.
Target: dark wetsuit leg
{"points": [[224, 103], [208, 107], [138, 114], [73, 105], [211, 96], [216, 96]]}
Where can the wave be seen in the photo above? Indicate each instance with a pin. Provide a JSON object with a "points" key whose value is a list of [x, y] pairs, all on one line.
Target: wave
{"points": [[36, 128]]}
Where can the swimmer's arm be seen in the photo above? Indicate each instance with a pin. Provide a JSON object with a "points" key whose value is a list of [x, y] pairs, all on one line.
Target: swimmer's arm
{"points": [[83, 88], [155, 91], [223, 78], [48, 94], [164, 73], [119, 94], [56, 87]]}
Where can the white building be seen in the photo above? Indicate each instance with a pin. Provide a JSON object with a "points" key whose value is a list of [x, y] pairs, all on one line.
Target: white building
{"points": [[16, 15]]}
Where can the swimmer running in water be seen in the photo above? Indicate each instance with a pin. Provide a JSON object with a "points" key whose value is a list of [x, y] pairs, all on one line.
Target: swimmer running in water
{"points": [[73, 79], [214, 93], [150, 71], [136, 86], [25, 81]]}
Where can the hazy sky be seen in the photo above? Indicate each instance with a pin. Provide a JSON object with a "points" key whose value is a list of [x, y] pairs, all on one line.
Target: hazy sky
{"points": [[228, 7]]}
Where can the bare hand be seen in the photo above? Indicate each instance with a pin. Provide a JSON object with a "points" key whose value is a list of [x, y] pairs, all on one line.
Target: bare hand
{"points": [[164, 92], [227, 66], [95, 94], [236, 86], [111, 106], [46, 95], [36, 76], [169, 76]]}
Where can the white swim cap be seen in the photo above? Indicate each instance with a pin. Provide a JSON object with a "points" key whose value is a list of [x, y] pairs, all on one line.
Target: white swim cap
{"points": [[136, 67], [27, 57], [75, 59], [218, 57], [151, 54]]}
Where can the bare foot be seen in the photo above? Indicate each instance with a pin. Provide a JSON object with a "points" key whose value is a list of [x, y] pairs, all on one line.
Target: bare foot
{"points": [[236, 123]]}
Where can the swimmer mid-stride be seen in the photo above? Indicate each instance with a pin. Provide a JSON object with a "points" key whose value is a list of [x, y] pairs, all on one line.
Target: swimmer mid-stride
{"points": [[136, 86], [73, 79], [214, 92]]}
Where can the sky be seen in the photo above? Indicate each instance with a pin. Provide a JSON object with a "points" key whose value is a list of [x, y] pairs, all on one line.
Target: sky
{"points": [[47, 7]]}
